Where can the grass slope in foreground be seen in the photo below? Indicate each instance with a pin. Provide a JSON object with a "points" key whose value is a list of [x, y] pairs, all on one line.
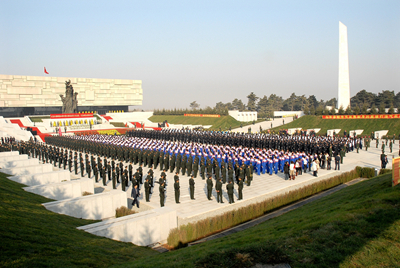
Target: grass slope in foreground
{"points": [[32, 236], [369, 125], [223, 122], [358, 226]]}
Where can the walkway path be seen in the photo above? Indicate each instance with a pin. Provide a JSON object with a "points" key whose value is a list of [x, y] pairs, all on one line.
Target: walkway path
{"points": [[264, 125]]}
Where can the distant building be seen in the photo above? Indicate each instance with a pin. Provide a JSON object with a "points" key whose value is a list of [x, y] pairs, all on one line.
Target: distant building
{"points": [[243, 116], [40, 95]]}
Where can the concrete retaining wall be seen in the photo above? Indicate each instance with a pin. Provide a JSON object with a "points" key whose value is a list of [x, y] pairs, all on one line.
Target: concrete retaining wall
{"points": [[63, 190], [380, 133], [42, 178], [3, 154], [141, 229], [13, 158], [331, 131], [19, 163], [28, 170], [90, 207]]}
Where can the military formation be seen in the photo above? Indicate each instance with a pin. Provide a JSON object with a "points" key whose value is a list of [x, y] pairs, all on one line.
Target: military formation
{"points": [[217, 158]]}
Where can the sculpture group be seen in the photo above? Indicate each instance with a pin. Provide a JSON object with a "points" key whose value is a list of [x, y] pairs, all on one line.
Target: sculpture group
{"points": [[70, 102]]}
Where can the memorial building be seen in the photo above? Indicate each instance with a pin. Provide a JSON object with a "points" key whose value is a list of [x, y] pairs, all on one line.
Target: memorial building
{"points": [[41, 95]]}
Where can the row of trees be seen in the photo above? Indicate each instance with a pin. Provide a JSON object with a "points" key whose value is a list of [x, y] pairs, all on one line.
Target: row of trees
{"points": [[362, 103]]}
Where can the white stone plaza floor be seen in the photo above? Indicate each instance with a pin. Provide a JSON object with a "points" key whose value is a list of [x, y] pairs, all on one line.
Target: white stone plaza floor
{"points": [[262, 187]]}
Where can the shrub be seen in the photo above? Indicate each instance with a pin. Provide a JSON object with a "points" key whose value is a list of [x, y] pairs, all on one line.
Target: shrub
{"points": [[123, 211], [86, 193], [367, 172], [384, 171], [193, 231]]}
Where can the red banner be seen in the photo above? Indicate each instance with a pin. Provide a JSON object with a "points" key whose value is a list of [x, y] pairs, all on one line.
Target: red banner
{"points": [[363, 116], [61, 116], [395, 171], [203, 115]]}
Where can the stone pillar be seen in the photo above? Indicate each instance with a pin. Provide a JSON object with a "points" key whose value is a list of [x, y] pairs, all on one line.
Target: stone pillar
{"points": [[344, 78]]}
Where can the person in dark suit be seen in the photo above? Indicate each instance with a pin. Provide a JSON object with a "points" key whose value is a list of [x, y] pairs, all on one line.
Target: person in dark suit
{"points": [[337, 162], [135, 195]]}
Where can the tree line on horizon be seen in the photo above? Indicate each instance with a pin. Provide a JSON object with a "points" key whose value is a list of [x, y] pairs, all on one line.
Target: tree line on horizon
{"points": [[362, 103]]}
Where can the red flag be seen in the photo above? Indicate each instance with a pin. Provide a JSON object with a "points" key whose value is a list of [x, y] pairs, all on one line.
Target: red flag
{"points": [[45, 71]]}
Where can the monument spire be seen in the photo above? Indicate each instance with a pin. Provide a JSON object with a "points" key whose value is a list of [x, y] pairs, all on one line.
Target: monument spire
{"points": [[344, 78]]}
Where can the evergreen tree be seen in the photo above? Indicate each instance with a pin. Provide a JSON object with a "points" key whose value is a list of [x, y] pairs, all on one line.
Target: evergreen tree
{"points": [[341, 110], [251, 103], [356, 110], [373, 109]]}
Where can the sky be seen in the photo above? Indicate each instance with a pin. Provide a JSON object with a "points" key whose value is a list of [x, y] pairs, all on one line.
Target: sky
{"points": [[205, 51]]}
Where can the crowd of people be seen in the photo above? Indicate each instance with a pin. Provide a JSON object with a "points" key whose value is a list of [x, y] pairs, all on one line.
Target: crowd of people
{"points": [[231, 158]]}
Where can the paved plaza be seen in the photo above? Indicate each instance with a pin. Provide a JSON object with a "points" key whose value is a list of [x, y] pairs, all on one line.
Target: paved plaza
{"points": [[262, 187]]}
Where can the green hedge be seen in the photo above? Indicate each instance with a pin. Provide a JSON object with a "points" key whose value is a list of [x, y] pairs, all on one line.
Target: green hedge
{"points": [[384, 171], [194, 231]]}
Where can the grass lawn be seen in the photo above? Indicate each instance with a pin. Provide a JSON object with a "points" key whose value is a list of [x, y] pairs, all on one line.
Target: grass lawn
{"points": [[369, 125], [32, 236], [358, 226], [223, 122]]}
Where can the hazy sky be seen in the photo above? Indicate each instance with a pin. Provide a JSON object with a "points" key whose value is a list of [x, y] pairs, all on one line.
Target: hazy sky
{"points": [[208, 51]]}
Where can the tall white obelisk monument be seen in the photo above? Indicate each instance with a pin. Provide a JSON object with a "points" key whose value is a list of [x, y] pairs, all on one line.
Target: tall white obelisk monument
{"points": [[344, 79]]}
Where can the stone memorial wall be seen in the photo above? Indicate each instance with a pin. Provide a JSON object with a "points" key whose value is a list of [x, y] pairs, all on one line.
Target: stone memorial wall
{"points": [[44, 91]]}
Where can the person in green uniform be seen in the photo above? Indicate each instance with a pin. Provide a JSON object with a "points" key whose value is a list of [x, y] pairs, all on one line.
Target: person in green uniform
{"points": [[130, 171], [189, 165], [191, 187], [172, 164], [124, 180], [114, 179], [229, 189], [203, 170], [210, 185], [70, 163], [76, 166], [342, 154], [383, 147], [240, 188], [96, 173], [230, 174], [162, 194], [117, 171], [147, 190], [140, 169], [391, 146], [195, 169], [218, 189], [177, 191], [88, 169], [223, 171], [103, 176], [82, 168]]}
